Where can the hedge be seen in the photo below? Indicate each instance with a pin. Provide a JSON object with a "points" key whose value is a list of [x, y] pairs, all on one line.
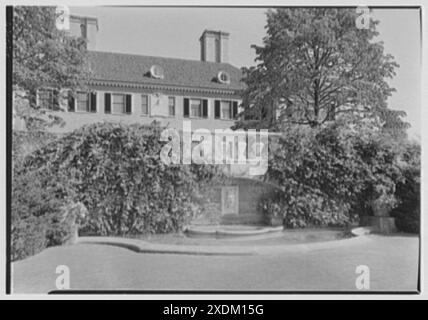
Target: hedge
{"points": [[116, 172], [330, 175], [407, 213], [40, 213]]}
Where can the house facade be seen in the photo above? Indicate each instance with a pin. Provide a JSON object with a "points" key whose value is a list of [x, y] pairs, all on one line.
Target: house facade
{"points": [[133, 88]]}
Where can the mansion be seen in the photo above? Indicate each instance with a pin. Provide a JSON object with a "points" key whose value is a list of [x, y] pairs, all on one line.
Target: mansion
{"points": [[129, 89], [132, 88]]}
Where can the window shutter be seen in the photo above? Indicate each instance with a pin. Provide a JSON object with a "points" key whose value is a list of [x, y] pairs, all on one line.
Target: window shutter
{"points": [[70, 101], [205, 108], [107, 103], [186, 108], [217, 109], [234, 109], [93, 101], [128, 106]]}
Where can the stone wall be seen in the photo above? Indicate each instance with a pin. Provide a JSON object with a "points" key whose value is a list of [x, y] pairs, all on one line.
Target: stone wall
{"points": [[250, 192]]}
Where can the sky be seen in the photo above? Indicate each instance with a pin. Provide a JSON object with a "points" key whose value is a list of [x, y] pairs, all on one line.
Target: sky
{"points": [[175, 32]]}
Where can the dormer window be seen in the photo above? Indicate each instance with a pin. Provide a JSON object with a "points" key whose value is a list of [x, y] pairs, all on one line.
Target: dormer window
{"points": [[223, 77], [157, 72]]}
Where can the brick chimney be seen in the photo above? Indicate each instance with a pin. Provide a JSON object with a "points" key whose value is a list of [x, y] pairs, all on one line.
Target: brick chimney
{"points": [[86, 27], [214, 46]]}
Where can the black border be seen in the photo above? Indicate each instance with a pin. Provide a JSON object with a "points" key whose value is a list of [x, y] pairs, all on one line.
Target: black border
{"points": [[9, 51], [9, 107], [229, 292]]}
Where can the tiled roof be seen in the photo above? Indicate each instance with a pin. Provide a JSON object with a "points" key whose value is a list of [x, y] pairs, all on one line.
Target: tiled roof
{"points": [[119, 67]]}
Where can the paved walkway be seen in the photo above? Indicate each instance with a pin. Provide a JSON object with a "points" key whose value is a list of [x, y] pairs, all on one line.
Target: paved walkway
{"points": [[393, 263]]}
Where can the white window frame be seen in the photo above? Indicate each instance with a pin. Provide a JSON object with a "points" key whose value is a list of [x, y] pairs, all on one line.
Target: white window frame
{"points": [[148, 105], [174, 105], [230, 102], [88, 104], [200, 108], [112, 103]]}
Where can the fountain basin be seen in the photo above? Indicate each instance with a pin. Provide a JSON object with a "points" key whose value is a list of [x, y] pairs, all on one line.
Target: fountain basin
{"points": [[229, 231]]}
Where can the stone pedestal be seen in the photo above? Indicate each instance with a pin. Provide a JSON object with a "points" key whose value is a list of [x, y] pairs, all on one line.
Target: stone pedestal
{"points": [[380, 224]]}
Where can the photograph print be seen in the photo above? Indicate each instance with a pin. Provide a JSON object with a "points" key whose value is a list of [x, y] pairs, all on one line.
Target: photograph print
{"points": [[214, 149]]}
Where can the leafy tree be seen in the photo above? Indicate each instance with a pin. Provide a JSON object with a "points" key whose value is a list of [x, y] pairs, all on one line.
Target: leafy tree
{"points": [[315, 65], [43, 56]]}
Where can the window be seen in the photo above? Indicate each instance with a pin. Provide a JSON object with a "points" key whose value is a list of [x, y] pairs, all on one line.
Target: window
{"points": [[226, 110], [195, 108], [47, 99], [171, 106], [82, 102], [145, 105], [118, 103]]}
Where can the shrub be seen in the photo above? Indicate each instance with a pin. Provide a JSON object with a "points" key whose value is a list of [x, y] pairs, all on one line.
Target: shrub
{"points": [[380, 154], [407, 213], [330, 175], [116, 172], [26, 142], [273, 207], [28, 237], [63, 225], [37, 199]]}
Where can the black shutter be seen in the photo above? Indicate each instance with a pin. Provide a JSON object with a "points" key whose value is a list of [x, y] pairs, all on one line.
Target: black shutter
{"points": [[186, 108], [205, 108], [107, 103], [128, 106], [217, 109], [70, 101], [234, 109], [93, 99]]}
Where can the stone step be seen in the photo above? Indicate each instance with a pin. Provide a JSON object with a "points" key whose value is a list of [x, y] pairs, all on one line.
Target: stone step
{"points": [[253, 219]]}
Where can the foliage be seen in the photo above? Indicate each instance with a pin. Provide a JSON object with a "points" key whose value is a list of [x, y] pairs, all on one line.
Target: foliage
{"points": [[38, 199], [407, 213], [331, 174], [43, 55], [28, 237], [115, 170], [314, 66], [273, 206], [26, 142]]}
